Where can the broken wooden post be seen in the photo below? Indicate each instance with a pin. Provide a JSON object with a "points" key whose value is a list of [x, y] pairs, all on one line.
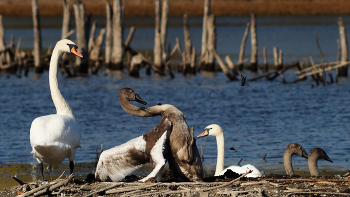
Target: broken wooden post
{"points": [[210, 64], [164, 27], [82, 65], [109, 35], [324, 58], [266, 66], [254, 42], [230, 65], [159, 66], [65, 30], [223, 67], [280, 59], [188, 46], [95, 52], [204, 52], [2, 41], [66, 18], [37, 37], [117, 53], [343, 71], [92, 36], [241, 52]]}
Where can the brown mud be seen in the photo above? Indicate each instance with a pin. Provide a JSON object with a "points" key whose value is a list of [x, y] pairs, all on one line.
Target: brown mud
{"points": [[189, 7]]}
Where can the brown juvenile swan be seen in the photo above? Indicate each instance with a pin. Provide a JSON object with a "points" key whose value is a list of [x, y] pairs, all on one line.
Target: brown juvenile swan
{"points": [[116, 163], [182, 155], [314, 155], [292, 149]]}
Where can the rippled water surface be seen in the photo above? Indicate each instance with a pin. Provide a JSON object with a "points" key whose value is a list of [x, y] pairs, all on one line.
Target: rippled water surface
{"points": [[259, 119]]}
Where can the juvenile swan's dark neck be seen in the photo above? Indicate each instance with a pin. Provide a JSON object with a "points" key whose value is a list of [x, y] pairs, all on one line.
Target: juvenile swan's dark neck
{"points": [[137, 111], [287, 159]]}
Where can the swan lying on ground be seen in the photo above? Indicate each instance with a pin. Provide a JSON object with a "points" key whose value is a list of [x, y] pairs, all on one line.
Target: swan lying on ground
{"points": [[216, 130], [116, 163]]}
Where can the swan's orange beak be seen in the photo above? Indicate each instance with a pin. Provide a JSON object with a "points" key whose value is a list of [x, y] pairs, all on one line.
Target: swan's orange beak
{"points": [[205, 133], [76, 52]]}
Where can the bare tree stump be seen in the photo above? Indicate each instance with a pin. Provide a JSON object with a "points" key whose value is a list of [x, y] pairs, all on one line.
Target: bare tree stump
{"points": [[37, 37], [117, 53], [81, 64], [164, 27], [254, 42], [343, 71], [109, 34], [266, 65], [160, 68], [204, 53], [188, 46], [210, 64], [2, 41], [241, 52]]}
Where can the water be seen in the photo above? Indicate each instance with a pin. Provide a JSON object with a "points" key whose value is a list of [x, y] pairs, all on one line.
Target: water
{"points": [[259, 119]]}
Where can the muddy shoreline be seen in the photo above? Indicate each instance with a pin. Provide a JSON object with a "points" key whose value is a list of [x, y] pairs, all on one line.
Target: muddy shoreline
{"points": [[192, 8], [273, 184]]}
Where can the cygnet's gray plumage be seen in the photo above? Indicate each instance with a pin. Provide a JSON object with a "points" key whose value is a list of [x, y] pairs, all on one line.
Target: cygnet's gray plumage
{"points": [[314, 155], [182, 155], [292, 149]]}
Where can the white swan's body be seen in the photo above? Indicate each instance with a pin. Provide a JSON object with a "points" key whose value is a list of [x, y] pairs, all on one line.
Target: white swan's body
{"points": [[216, 130], [57, 136], [116, 163]]}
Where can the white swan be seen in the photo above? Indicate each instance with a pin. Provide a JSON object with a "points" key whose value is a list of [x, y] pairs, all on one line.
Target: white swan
{"points": [[216, 130], [314, 155], [292, 149], [116, 163], [57, 136]]}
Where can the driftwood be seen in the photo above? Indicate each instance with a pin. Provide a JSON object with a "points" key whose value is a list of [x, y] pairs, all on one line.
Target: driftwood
{"points": [[230, 65], [276, 73], [275, 185]]}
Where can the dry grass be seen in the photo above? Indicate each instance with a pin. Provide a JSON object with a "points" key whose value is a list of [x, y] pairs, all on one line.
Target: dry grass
{"points": [[190, 7]]}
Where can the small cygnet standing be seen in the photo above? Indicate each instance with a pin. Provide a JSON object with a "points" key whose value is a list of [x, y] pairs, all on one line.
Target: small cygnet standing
{"points": [[314, 155], [292, 149]]}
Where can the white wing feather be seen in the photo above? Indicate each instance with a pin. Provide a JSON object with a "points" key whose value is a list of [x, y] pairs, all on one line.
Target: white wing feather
{"points": [[115, 163]]}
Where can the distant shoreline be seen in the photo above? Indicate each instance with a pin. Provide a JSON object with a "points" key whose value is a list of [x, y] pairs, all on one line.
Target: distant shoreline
{"points": [[189, 7]]}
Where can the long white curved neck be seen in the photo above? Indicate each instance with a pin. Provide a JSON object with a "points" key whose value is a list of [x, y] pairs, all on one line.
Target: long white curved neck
{"points": [[62, 107], [220, 142]]}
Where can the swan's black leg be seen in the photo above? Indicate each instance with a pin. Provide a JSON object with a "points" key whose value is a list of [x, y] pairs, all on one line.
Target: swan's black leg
{"points": [[71, 166], [41, 166]]}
